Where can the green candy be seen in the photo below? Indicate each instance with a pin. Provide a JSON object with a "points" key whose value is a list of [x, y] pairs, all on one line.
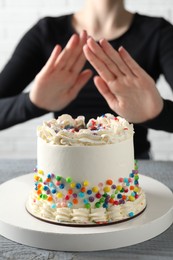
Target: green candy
{"points": [[88, 205], [97, 205], [69, 179], [102, 200], [58, 178], [44, 196]]}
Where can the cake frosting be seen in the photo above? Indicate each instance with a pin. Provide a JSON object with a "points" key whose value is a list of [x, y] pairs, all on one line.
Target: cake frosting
{"points": [[86, 173]]}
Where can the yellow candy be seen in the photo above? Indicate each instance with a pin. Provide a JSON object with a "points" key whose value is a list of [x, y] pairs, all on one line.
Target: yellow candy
{"points": [[85, 183], [95, 189], [106, 189], [41, 172], [36, 177], [136, 189], [59, 195], [131, 198], [73, 185], [119, 187]]}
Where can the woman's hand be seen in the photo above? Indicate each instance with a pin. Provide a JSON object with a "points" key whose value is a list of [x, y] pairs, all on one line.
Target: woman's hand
{"points": [[127, 88], [61, 79]]}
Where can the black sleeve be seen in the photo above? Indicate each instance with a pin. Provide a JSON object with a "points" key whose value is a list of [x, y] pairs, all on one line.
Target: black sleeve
{"points": [[18, 109], [26, 61], [164, 121]]}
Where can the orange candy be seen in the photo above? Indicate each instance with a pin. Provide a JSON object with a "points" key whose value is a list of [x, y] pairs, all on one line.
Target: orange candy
{"points": [[39, 192], [109, 182], [49, 198], [39, 185], [83, 189], [75, 201], [124, 197], [70, 191], [111, 201]]}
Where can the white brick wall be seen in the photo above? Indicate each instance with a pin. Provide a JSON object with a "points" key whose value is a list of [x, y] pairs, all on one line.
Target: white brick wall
{"points": [[16, 17]]}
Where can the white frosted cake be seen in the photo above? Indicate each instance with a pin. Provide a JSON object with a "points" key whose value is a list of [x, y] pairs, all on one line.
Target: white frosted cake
{"points": [[86, 173]]}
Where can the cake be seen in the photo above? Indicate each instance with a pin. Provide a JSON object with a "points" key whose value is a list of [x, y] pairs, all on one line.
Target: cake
{"points": [[86, 173]]}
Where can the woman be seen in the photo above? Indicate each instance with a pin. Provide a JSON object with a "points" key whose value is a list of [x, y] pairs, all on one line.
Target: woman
{"points": [[65, 83]]}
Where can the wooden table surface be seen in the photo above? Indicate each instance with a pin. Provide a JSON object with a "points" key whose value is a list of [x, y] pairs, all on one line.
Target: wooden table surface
{"points": [[158, 248]]}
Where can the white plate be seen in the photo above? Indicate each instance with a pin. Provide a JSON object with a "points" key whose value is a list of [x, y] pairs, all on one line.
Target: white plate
{"points": [[18, 225]]}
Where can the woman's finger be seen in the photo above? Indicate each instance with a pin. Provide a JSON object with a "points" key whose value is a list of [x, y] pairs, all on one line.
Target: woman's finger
{"points": [[98, 51], [66, 54], [82, 79], [77, 54], [53, 57], [115, 57], [130, 62], [105, 92], [78, 65], [98, 65]]}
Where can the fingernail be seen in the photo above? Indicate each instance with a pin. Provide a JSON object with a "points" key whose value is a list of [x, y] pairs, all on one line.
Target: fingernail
{"points": [[120, 48], [90, 38]]}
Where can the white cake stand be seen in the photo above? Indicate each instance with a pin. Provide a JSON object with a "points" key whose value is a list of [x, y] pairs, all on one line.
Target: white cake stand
{"points": [[18, 225]]}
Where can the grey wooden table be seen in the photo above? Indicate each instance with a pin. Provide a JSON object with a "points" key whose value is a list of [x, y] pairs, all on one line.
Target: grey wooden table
{"points": [[158, 248]]}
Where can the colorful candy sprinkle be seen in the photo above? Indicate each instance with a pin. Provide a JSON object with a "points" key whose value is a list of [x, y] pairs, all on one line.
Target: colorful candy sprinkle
{"points": [[95, 189], [131, 214], [109, 182], [85, 183], [103, 195], [68, 180]]}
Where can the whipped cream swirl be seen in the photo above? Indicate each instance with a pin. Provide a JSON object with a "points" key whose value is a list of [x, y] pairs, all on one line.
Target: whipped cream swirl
{"points": [[67, 131]]}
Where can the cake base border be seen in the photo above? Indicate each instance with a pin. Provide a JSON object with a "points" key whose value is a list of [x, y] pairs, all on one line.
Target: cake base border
{"points": [[70, 224]]}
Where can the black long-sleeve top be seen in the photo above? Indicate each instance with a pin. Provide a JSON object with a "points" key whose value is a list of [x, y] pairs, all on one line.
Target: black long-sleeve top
{"points": [[149, 40]]}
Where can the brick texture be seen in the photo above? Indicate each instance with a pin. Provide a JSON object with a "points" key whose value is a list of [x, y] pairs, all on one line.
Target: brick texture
{"points": [[16, 17]]}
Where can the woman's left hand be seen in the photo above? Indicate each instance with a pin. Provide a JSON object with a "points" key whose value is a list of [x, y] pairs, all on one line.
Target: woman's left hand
{"points": [[127, 88]]}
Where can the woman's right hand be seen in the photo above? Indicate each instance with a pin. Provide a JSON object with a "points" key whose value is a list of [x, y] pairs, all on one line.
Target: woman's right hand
{"points": [[61, 79], [129, 91]]}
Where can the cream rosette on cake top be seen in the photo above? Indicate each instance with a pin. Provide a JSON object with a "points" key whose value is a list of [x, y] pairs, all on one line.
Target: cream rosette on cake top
{"points": [[106, 129]]}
